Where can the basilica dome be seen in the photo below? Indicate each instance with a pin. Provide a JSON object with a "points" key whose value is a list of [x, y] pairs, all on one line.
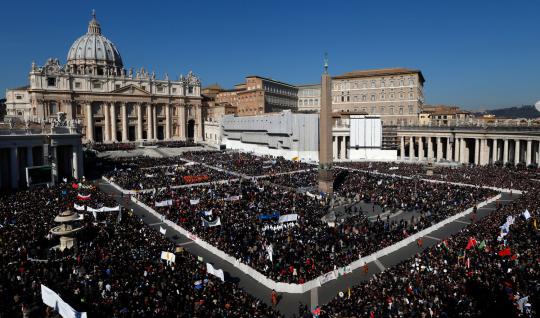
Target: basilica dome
{"points": [[93, 53]]}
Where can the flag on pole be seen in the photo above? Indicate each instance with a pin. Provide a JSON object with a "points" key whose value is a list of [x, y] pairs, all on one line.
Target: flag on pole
{"points": [[526, 214], [505, 252], [472, 242], [162, 230], [482, 245]]}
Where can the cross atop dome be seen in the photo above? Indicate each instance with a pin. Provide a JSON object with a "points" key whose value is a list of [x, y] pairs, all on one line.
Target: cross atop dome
{"points": [[93, 25]]}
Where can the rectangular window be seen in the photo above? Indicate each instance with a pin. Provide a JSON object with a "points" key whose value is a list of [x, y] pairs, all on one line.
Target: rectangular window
{"points": [[96, 85], [117, 86], [18, 97], [77, 84], [190, 89], [174, 90], [160, 89], [51, 81]]}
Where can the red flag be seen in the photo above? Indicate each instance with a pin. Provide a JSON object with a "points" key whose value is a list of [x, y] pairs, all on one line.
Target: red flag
{"points": [[75, 186], [505, 252], [471, 244]]}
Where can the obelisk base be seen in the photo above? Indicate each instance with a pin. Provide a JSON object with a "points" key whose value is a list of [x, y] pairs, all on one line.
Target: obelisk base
{"points": [[326, 180]]}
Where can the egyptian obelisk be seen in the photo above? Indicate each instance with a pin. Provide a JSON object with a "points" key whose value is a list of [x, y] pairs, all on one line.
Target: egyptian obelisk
{"points": [[326, 177]]}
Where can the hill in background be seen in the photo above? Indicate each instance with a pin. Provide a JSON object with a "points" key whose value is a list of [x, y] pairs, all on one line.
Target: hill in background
{"points": [[525, 111]]}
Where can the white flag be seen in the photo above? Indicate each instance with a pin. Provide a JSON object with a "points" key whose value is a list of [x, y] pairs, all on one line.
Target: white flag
{"points": [[526, 214], [216, 272], [194, 202], [162, 230]]}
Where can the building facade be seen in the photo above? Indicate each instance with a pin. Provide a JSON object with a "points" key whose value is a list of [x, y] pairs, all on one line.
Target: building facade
{"points": [[395, 94], [113, 104], [309, 97], [442, 115], [260, 95]]}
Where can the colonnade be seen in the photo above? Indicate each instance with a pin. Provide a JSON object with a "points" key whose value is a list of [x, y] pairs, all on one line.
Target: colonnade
{"points": [[479, 150], [147, 121], [339, 147]]}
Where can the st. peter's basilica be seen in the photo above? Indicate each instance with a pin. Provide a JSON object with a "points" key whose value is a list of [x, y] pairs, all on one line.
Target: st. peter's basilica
{"points": [[111, 103]]}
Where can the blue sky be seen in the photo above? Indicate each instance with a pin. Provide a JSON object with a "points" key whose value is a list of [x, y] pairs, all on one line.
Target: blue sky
{"points": [[475, 54]]}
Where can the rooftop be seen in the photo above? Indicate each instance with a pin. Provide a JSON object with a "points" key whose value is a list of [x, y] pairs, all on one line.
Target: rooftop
{"points": [[380, 72]]}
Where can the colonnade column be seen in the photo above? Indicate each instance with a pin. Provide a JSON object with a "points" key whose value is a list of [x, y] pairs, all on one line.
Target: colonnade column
{"points": [[89, 123], [149, 128], [505, 151], [154, 121], [334, 147], [198, 124], [139, 122], [106, 129], [14, 167], [439, 149], [420, 148], [124, 123], [517, 152], [456, 149], [448, 149], [182, 122], [462, 148], [77, 162], [402, 148], [476, 151], [343, 148], [529, 152], [411, 148], [167, 122], [429, 148], [495, 154], [113, 122]]}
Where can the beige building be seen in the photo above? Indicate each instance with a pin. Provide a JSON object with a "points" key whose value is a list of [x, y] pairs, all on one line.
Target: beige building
{"points": [[112, 104], [395, 94], [309, 97], [259, 95], [442, 115]]}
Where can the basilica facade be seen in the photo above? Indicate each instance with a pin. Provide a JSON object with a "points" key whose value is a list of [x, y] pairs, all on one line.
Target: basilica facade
{"points": [[112, 104]]}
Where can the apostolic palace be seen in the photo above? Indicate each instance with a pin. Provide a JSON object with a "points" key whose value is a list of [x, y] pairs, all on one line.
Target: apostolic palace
{"points": [[111, 103]]}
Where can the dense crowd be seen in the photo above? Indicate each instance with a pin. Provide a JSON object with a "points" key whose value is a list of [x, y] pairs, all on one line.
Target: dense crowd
{"points": [[133, 178], [298, 180], [472, 274], [520, 178], [249, 223], [117, 146], [245, 163], [115, 270]]}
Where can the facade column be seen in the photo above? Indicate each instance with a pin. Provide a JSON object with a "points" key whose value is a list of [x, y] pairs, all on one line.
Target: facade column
{"points": [[182, 122], [167, 122], [139, 122], [89, 123], [420, 148], [149, 128], [457, 142], [505, 151], [411, 148], [124, 123], [529, 152], [429, 148], [448, 149], [517, 152], [77, 162], [107, 127], [402, 148], [29, 156], [476, 151], [343, 148], [495, 155], [439, 149], [14, 167], [462, 148], [154, 122], [113, 122], [198, 124]]}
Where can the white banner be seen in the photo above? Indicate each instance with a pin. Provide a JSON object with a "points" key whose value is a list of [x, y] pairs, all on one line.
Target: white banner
{"points": [[163, 203], [162, 230], [277, 227], [233, 198], [216, 222], [51, 299], [327, 277], [194, 202], [78, 207], [216, 272], [309, 194], [102, 209], [288, 218], [168, 256]]}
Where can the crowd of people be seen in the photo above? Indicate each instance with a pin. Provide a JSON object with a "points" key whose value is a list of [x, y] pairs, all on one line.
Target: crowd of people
{"points": [[134, 178], [474, 273], [117, 146], [249, 220], [246, 163], [115, 269], [520, 178]]}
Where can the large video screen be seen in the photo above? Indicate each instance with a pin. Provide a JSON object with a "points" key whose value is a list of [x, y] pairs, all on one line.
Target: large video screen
{"points": [[39, 175]]}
